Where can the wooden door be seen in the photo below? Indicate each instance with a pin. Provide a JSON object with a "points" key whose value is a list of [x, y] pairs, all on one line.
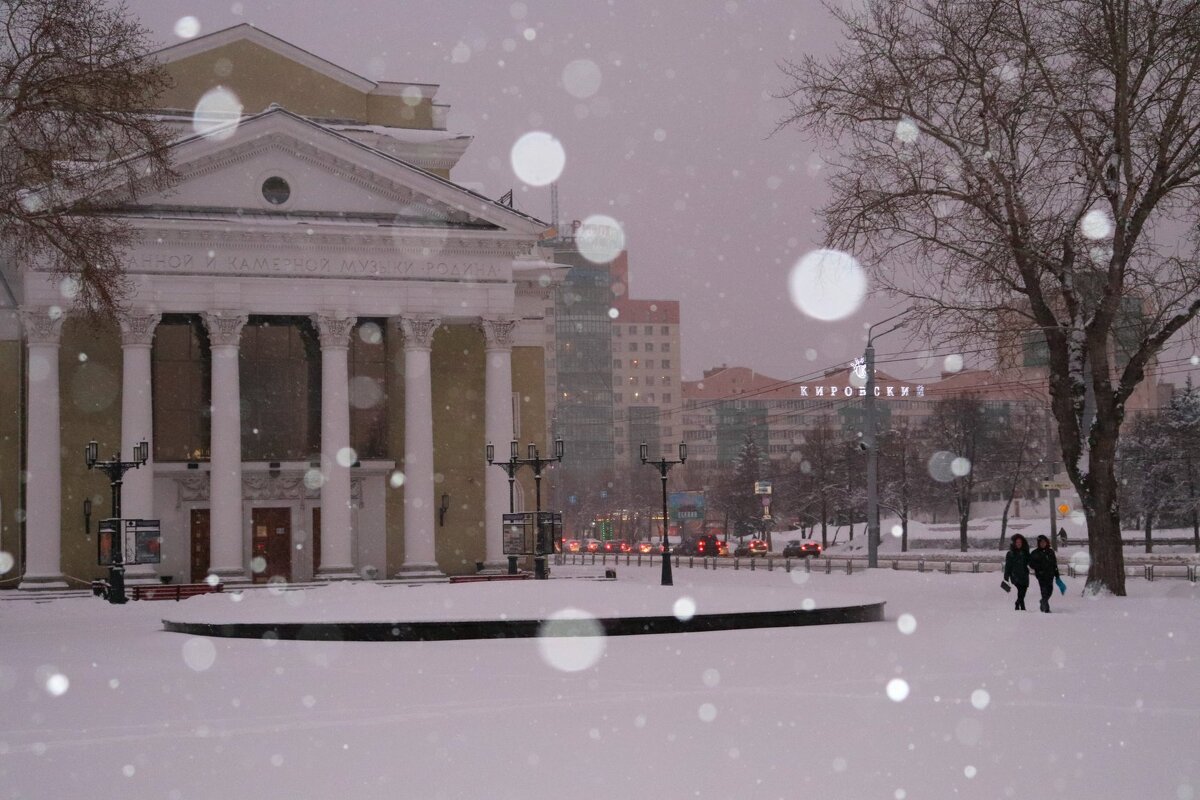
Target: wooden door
{"points": [[316, 541], [272, 531], [200, 544]]}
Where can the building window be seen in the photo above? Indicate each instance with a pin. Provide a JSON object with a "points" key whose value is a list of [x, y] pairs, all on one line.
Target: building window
{"points": [[666, 362], [616, 363], [649, 397], [280, 368], [665, 330], [648, 330], [275, 190], [618, 397], [633, 381], [633, 330], [649, 347], [633, 347], [649, 380], [368, 389], [182, 389], [649, 364], [666, 380], [666, 347]]}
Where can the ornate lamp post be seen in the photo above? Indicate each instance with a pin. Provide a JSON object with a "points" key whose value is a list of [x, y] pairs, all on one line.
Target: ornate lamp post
{"points": [[115, 469], [664, 466], [510, 468], [538, 462]]}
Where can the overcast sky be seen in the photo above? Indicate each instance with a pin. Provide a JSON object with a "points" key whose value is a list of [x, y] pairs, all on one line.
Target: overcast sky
{"points": [[676, 143]]}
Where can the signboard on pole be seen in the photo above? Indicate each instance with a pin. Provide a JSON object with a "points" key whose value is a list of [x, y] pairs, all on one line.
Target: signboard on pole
{"points": [[521, 533], [518, 534], [682, 506], [107, 535], [1054, 486], [143, 541], [762, 487]]}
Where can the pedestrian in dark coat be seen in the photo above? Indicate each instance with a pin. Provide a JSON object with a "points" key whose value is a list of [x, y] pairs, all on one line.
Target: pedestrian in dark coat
{"points": [[1045, 568], [1016, 568]]}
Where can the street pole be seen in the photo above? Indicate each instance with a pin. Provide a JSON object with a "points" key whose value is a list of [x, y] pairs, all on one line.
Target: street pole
{"points": [[870, 441], [115, 469], [664, 466]]}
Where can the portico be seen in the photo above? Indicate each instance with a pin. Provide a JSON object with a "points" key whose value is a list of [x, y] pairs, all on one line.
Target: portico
{"points": [[365, 251]]}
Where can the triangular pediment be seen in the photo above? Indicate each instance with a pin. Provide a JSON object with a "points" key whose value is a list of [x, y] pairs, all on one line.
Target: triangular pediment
{"points": [[247, 170]]}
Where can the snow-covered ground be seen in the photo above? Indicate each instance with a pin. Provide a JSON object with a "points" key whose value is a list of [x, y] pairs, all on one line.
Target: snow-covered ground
{"points": [[955, 695]]}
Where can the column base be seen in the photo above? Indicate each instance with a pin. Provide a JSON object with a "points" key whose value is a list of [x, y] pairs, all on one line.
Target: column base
{"points": [[36, 583], [420, 572], [337, 573]]}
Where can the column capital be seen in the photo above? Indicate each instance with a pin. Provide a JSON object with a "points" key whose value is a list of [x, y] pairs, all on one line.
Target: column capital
{"points": [[418, 331], [334, 329], [42, 325], [498, 333], [224, 327], [137, 327]]}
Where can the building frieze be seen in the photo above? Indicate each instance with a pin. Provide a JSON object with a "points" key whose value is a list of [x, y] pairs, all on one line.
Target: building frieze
{"points": [[258, 488]]}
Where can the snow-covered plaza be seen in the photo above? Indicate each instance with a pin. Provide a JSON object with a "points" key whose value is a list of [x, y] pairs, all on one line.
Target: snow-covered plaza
{"points": [[955, 694]]}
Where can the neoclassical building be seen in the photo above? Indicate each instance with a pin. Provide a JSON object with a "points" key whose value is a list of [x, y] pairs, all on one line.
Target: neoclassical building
{"points": [[323, 333]]}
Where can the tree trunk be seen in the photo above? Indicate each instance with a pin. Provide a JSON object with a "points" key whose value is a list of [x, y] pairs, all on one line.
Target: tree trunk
{"points": [[1004, 522], [1149, 533], [824, 527], [1103, 514], [962, 532], [904, 534], [1196, 529]]}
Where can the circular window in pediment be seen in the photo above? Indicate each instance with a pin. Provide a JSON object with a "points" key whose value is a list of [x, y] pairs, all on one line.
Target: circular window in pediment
{"points": [[276, 190]]}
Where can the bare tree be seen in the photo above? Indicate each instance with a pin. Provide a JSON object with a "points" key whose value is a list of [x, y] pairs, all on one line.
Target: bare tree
{"points": [[1017, 457], [899, 476], [77, 80], [815, 485], [963, 435], [1021, 164]]}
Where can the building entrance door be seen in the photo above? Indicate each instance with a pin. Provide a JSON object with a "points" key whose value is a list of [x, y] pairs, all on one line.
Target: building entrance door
{"points": [[200, 544], [272, 529]]}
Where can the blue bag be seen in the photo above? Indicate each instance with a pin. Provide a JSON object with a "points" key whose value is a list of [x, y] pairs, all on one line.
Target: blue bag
{"points": [[1062, 587]]}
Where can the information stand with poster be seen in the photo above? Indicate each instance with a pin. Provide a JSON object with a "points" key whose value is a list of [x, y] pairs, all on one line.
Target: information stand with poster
{"points": [[143, 541], [107, 535], [521, 533]]}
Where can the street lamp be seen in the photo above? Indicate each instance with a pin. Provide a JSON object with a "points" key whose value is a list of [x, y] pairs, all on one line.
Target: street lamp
{"points": [[535, 460], [510, 468], [869, 440], [664, 466], [115, 469]]}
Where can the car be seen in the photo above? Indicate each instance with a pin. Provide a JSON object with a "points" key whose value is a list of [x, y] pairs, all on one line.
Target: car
{"points": [[754, 547], [802, 548], [591, 545], [574, 545], [708, 545]]}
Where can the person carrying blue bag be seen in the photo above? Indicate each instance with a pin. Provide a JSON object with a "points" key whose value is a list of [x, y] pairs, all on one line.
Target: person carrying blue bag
{"points": [[1016, 569], [1044, 564]]}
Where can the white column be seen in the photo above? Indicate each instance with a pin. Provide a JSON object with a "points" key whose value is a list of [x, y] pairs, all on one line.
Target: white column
{"points": [[337, 558], [498, 429], [137, 423], [227, 559], [420, 556], [43, 489]]}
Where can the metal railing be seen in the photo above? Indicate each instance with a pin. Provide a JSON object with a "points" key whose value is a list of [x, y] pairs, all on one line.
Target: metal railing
{"points": [[847, 564]]}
